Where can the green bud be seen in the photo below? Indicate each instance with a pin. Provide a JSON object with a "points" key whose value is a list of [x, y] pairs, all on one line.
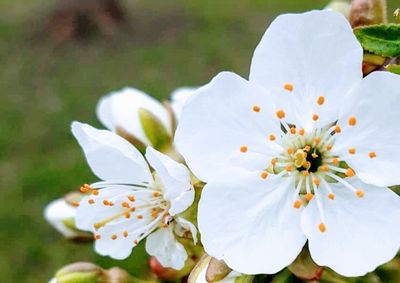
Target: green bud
{"points": [[368, 12], [342, 7], [155, 130], [304, 267]]}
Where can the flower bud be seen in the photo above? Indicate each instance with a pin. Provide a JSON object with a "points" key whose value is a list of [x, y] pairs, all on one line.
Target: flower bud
{"points": [[342, 7], [85, 272], [367, 12], [304, 267], [60, 214], [154, 130], [217, 270]]}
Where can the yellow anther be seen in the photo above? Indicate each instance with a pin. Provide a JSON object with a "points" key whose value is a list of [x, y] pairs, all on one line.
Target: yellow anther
{"points": [[350, 172], [317, 182], [95, 192], [132, 209], [85, 188], [321, 100], [352, 150], [131, 198], [317, 140], [135, 242], [90, 201], [272, 137], [360, 193], [289, 168], [301, 132], [300, 157], [337, 129], [273, 161], [288, 87], [127, 215], [309, 196], [243, 149], [290, 150], [97, 237], [315, 117], [256, 108], [280, 114], [322, 227], [372, 154], [352, 121], [125, 234], [307, 165], [156, 194], [154, 213], [106, 202], [324, 168], [114, 237], [139, 216], [331, 196], [307, 148], [293, 130], [75, 203], [329, 147], [264, 175], [335, 160], [305, 173], [297, 203], [125, 204]]}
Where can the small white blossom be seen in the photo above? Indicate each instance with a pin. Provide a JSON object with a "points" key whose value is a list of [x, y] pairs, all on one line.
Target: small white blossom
{"points": [[59, 211], [303, 150], [131, 203]]}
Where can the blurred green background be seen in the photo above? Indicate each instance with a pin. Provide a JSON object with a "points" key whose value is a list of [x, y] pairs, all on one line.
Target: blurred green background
{"points": [[45, 86]]}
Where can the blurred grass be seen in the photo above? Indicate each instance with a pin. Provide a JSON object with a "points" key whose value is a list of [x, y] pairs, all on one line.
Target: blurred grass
{"points": [[44, 88]]}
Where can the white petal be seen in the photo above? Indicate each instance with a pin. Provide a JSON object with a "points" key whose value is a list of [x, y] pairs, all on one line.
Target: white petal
{"points": [[56, 212], [183, 226], [168, 251], [175, 177], [318, 54], [361, 233], [111, 157], [219, 120], [250, 223], [374, 103], [179, 97], [120, 109]]}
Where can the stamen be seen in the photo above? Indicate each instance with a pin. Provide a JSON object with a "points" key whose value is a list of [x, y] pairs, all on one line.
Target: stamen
{"points": [[322, 227], [297, 203], [352, 150], [97, 237], [321, 100], [256, 108], [95, 192], [293, 130], [317, 181], [135, 242], [335, 160], [280, 114], [290, 151], [243, 149], [331, 196], [315, 117], [360, 193], [156, 194], [301, 132], [289, 168], [264, 175], [372, 154], [272, 137], [350, 172], [309, 196], [273, 161], [337, 129], [125, 234], [139, 216], [352, 121], [114, 237], [329, 147], [131, 198], [85, 188], [288, 87], [75, 203], [91, 201]]}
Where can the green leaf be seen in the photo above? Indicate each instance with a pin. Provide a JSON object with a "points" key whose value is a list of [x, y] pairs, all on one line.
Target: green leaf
{"points": [[383, 40], [154, 130], [393, 68]]}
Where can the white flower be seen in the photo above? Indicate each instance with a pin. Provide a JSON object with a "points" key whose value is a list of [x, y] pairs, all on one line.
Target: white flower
{"points": [[119, 110], [57, 213], [131, 202], [274, 151]]}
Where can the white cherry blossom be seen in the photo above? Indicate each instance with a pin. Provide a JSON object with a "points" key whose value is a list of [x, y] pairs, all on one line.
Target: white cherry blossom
{"points": [[302, 151]]}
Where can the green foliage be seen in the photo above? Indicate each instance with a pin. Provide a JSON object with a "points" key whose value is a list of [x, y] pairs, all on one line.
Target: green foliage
{"points": [[383, 40]]}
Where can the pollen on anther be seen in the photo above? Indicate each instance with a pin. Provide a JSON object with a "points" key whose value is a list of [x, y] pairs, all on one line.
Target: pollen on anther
{"points": [[352, 150], [317, 140], [293, 130], [317, 182], [264, 175], [329, 147], [273, 161], [139, 216], [97, 237], [95, 192], [372, 154], [114, 237], [289, 168], [309, 196], [352, 121], [315, 117], [297, 203], [243, 149], [337, 129], [324, 168], [125, 204], [256, 108], [272, 137], [84, 189], [301, 132], [91, 201], [131, 198], [350, 172], [331, 196], [127, 215], [307, 148], [156, 194], [106, 202], [290, 150], [360, 193], [135, 242], [305, 173], [288, 87], [125, 234], [280, 114], [322, 227], [335, 160], [75, 203], [321, 100]]}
